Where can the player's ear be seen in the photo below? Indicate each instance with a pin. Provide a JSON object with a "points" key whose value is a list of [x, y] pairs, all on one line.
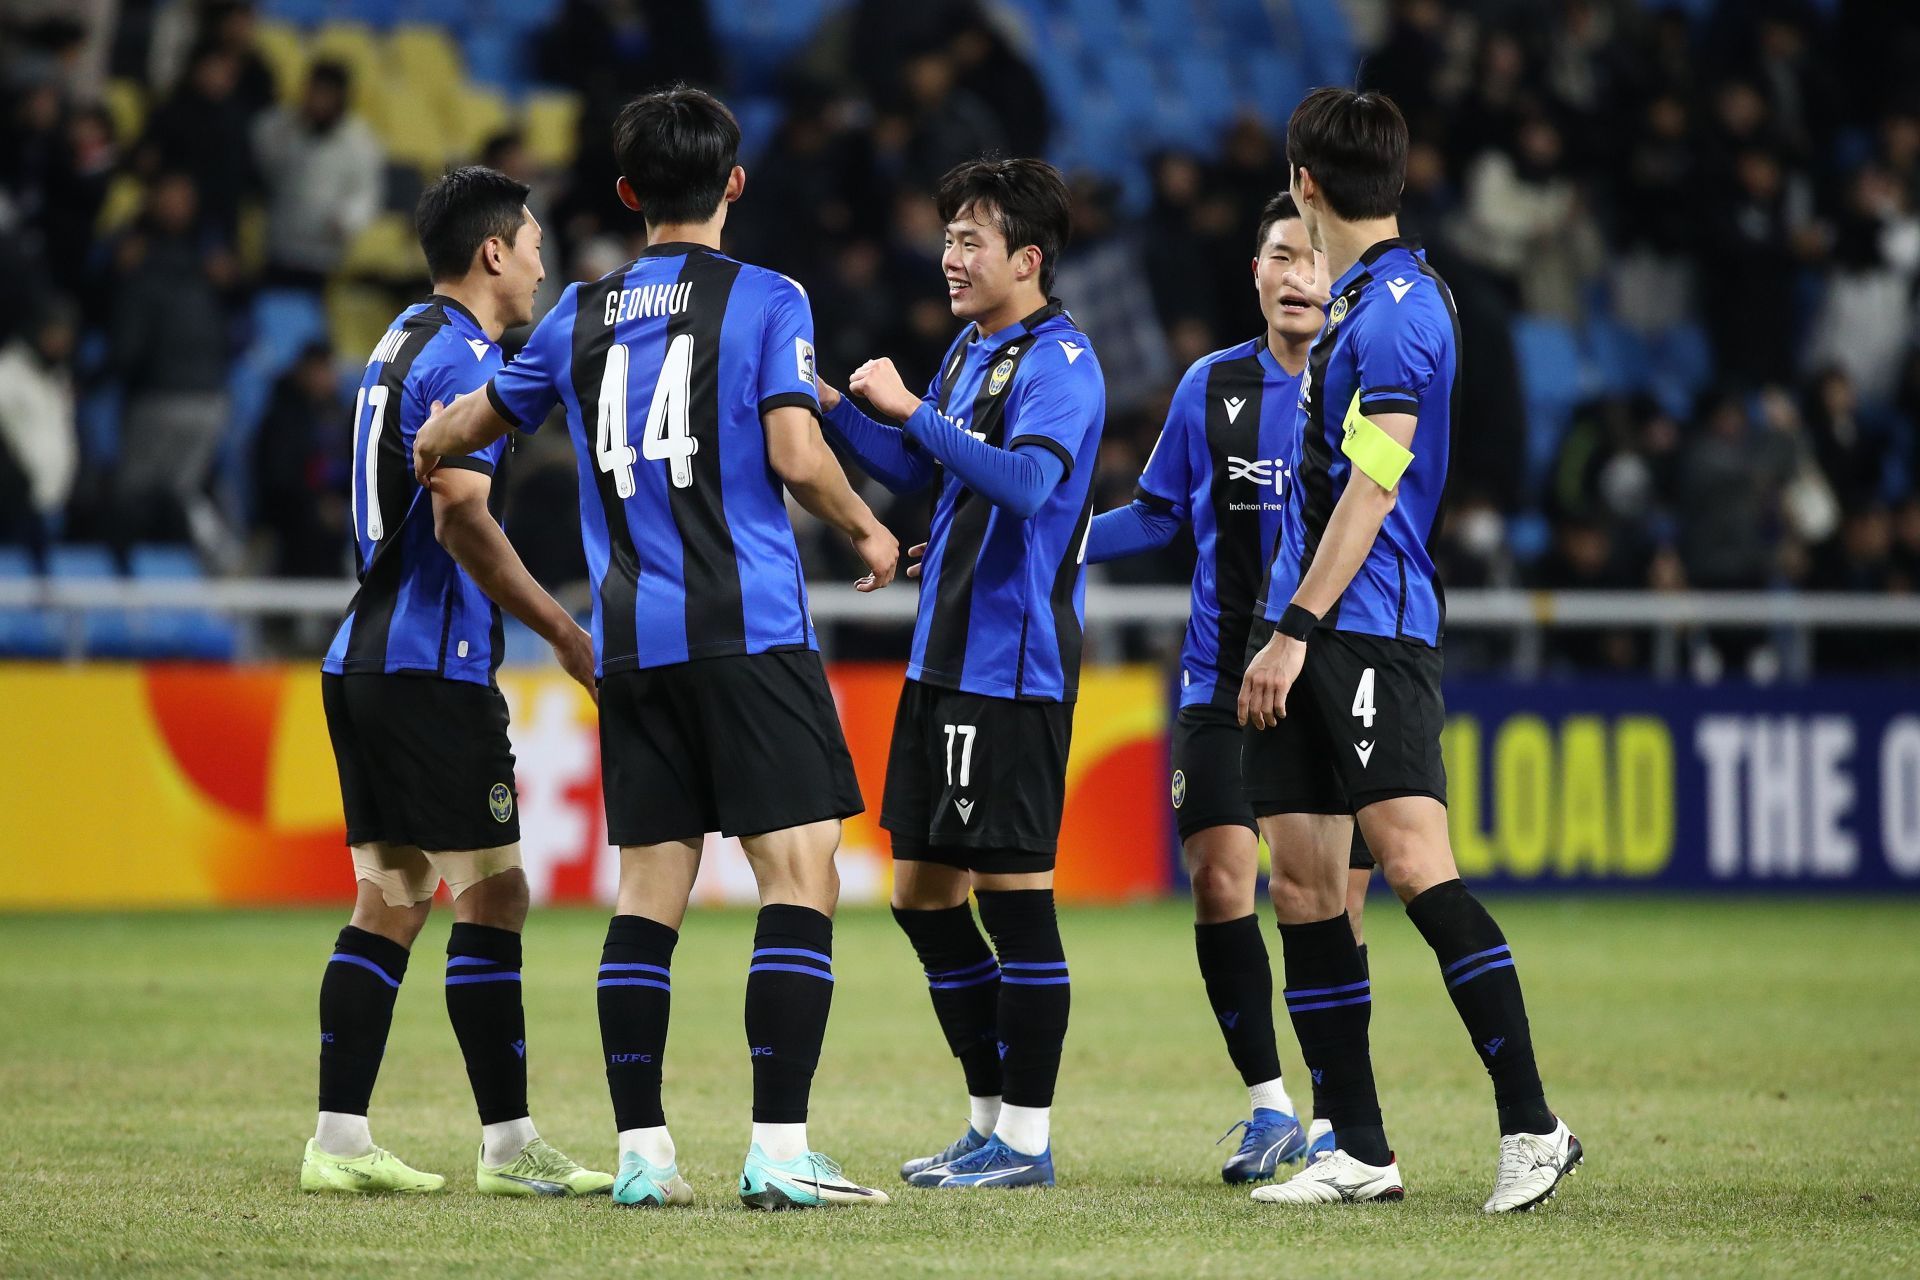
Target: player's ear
{"points": [[628, 196], [736, 183], [1028, 266]]}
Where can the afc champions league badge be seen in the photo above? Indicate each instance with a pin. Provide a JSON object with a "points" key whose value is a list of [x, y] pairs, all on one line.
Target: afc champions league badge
{"points": [[500, 801], [1179, 787]]}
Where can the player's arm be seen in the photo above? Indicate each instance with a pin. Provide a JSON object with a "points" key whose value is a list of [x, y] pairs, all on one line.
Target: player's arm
{"points": [[1152, 519], [799, 455], [883, 452], [475, 539], [1131, 530], [518, 397], [1017, 480], [1379, 449], [470, 423]]}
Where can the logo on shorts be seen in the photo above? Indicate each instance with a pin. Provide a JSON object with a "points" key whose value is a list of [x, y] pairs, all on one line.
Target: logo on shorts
{"points": [[500, 801], [965, 808], [1179, 787], [1001, 372]]}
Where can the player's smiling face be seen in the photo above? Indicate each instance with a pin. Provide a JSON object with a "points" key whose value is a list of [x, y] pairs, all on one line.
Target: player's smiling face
{"points": [[1287, 311], [978, 268]]}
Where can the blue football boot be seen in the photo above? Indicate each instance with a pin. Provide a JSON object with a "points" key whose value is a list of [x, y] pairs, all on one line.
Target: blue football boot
{"points": [[926, 1171], [998, 1165], [1319, 1140], [1269, 1140]]}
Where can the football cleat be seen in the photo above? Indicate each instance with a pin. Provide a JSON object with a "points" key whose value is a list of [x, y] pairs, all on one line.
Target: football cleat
{"points": [[641, 1185], [1272, 1138], [998, 1165], [925, 1171], [807, 1181], [540, 1170], [1531, 1166], [1336, 1178], [377, 1172], [1319, 1139]]}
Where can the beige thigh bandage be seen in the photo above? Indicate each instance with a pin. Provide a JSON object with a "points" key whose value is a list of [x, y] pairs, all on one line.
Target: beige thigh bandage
{"points": [[468, 868], [400, 872]]}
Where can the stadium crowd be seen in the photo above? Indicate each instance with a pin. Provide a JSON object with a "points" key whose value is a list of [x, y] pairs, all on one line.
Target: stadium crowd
{"points": [[1684, 248]]}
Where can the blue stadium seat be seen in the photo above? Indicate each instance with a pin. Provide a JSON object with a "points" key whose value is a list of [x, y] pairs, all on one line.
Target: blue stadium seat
{"points": [[1204, 81], [103, 631], [1553, 379], [27, 632], [1326, 40], [1529, 536], [177, 633], [1271, 83], [759, 123]]}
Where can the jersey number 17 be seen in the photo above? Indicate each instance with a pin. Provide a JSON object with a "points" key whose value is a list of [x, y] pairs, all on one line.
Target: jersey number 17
{"points": [[666, 437]]}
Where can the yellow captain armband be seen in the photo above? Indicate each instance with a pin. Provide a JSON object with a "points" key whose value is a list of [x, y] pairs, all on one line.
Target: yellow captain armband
{"points": [[1379, 456]]}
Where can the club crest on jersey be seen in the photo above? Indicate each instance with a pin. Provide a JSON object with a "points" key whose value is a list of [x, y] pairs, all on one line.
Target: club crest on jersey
{"points": [[1001, 372], [1339, 311], [1179, 787], [500, 801]]}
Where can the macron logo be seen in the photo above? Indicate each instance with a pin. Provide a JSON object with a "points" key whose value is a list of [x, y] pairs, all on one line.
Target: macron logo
{"points": [[1234, 406], [965, 808], [1073, 352], [479, 348], [1365, 751], [1398, 288]]}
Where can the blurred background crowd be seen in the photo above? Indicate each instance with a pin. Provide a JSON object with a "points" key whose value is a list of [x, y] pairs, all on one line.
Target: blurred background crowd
{"points": [[1683, 239]]}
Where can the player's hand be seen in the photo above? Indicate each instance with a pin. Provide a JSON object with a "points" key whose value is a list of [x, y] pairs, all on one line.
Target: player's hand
{"points": [[1319, 290], [1269, 678], [879, 383], [425, 459], [828, 396], [880, 551], [574, 652], [913, 570]]}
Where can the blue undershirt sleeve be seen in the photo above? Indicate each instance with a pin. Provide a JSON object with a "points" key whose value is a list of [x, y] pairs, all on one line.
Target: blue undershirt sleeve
{"points": [[883, 452], [1128, 531], [1015, 480]]}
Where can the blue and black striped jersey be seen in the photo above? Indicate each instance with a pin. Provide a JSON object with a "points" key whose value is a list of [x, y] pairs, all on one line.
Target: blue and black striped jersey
{"points": [[1391, 344], [1224, 461], [663, 369], [1003, 599], [416, 609]]}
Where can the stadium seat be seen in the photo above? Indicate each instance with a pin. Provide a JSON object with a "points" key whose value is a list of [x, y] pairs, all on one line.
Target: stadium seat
{"points": [[495, 57], [1205, 84], [355, 45], [27, 632], [357, 314], [482, 112], [106, 632], [386, 249], [1553, 379], [422, 126], [1270, 83], [177, 633], [285, 51], [551, 121], [1325, 36]]}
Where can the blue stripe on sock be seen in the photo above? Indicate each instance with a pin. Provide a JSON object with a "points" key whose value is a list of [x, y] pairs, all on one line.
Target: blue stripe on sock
{"points": [[346, 957], [1301, 992], [1060, 981], [954, 984], [632, 982], [792, 951], [1038, 965], [970, 971], [634, 968], [461, 979], [788, 968], [454, 961], [1329, 1004], [1464, 961], [1471, 974]]}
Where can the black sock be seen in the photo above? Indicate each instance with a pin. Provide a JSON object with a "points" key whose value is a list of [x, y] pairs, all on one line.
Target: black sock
{"points": [[356, 1008], [1233, 964], [1035, 991], [964, 980], [1485, 988], [483, 1003], [789, 992], [635, 994], [1331, 1002]]}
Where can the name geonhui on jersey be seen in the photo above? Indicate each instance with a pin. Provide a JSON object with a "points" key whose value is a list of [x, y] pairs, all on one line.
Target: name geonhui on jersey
{"points": [[416, 609], [689, 546], [1003, 599], [1391, 344], [1224, 461]]}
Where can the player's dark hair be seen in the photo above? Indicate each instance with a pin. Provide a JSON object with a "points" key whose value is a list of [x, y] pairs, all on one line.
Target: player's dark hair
{"points": [[462, 211], [676, 149], [1277, 209], [1026, 199], [1355, 146]]}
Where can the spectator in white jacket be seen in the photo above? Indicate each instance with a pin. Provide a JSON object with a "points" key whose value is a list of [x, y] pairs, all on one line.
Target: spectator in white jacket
{"points": [[323, 171], [37, 426]]}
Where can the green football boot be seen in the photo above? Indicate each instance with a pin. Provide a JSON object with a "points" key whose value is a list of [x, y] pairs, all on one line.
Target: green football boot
{"points": [[540, 1170], [376, 1173]]}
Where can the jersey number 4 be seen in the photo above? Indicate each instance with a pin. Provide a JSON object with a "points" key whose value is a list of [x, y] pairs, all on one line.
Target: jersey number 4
{"points": [[666, 437]]}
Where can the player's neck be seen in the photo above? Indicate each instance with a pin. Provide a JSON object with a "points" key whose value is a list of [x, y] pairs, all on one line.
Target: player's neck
{"points": [[1343, 242], [1021, 304], [1291, 352], [701, 233], [477, 301]]}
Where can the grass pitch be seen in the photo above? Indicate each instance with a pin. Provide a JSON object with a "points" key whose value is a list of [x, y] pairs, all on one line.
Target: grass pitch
{"points": [[1743, 1075]]}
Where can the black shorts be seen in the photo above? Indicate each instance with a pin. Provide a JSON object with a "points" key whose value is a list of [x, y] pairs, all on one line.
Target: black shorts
{"points": [[1363, 725], [423, 761], [1359, 857], [1208, 790], [742, 745], [976, 782]]}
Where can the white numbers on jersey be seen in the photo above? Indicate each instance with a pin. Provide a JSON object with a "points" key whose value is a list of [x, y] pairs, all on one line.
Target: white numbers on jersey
{"points": [[666, 437], [1363, 700], [965, 733], [370, 398]]}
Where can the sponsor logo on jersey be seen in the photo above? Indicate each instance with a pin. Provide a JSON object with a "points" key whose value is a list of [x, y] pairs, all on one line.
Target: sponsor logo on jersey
{"points": [[1260, 471]]}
